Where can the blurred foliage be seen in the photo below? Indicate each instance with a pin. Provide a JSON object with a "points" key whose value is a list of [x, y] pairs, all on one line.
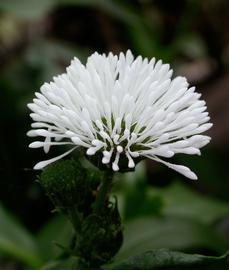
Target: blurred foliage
{"points": [[183, 220], [170, 260], [16, 242], [166, 226], [37, 41]]}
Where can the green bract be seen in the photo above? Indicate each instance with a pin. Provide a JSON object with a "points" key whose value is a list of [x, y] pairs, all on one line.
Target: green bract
{"points": [[81, 196]]}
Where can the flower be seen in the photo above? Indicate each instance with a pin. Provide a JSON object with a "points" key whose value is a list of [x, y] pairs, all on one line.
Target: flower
{"points": [[120, 109]]}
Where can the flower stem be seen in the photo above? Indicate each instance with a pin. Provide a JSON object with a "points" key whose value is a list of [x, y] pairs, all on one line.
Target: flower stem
{"points": [[104, 188], [75, 219]]}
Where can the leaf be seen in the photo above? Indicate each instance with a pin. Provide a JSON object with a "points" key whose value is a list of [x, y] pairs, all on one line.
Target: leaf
{"points": [[172, 260], [180, 200], [16, 242], [176, 233], [57, 230]]}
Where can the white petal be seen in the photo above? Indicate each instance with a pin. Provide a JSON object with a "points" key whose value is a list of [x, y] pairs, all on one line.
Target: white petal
{"points": [[39, 144], [115, 103], [179, 168], [44, 163]]}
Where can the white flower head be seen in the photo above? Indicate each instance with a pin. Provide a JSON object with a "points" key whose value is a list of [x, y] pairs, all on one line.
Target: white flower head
{"points": [[121, 110]]}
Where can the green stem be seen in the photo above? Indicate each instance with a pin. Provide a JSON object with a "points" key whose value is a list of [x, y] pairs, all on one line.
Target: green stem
{"points": [[104, 188], [75, 218]]}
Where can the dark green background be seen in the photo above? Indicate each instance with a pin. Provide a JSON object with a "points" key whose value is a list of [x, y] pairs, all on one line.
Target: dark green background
{"points": [[39, 38]]}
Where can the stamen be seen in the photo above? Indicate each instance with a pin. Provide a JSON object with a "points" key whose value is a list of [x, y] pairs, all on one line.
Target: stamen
{"points": [[79, 142], [131, 163], [105, 136], [117, 127], [115, 139], [132, 139], [125, 135], [119, 148], [47, 143], [107, 156], [115, 166], [92, 150], [99, 124]]}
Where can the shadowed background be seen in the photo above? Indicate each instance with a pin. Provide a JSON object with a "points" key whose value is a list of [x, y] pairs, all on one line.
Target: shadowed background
{"points": [[39, 38]]}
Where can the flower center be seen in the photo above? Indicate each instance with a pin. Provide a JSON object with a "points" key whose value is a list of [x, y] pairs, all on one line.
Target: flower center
{"points": [[117, 140]]}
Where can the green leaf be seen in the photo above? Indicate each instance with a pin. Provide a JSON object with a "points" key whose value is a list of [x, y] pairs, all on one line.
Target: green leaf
{"points": [[57, 230], [16, 242], [179, 200], [176, 233], [172, 260]]}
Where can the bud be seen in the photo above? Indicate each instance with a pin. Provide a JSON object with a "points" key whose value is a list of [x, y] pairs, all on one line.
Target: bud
{"points": [[68, 184]]}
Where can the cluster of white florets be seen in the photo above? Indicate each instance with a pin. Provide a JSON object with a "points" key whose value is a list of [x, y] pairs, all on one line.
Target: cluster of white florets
{"points": [[120, 107]]}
